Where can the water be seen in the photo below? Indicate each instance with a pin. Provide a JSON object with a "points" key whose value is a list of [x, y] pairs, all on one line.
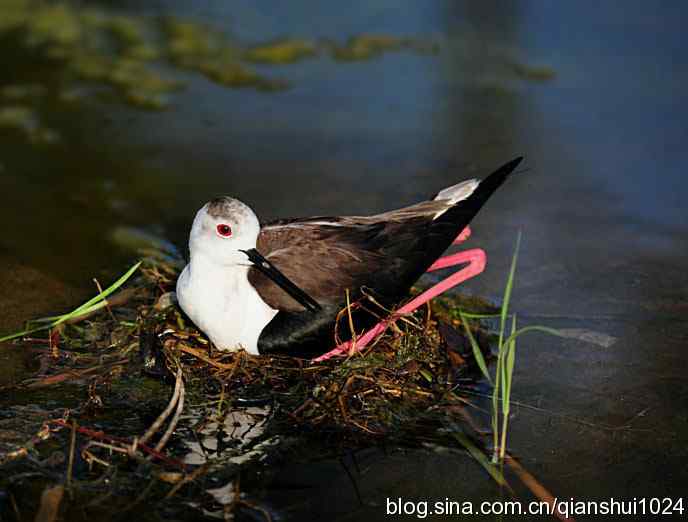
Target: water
{"points": [[601, 207]]}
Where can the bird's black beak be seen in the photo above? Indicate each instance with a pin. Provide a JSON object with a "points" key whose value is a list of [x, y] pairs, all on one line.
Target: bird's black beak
{"points": [[277, 277]]}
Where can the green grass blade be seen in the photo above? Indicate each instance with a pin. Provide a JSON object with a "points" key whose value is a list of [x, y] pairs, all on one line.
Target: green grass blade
{"points": [[83, 311], [533, 328], [470, 315], [105, 293], [509, 369], [482, 459], [89, 306], [508, 289], [477, 353], [48, 319], [22, 333]]}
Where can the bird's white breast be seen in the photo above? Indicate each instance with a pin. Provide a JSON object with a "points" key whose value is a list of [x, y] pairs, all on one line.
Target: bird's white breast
{"points": [[223, 304]]}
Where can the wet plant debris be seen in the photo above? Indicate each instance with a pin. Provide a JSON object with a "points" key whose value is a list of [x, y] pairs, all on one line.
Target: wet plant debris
{"points": [[129, 400]]}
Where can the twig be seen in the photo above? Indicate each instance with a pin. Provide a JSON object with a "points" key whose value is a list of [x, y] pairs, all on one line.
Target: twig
{"points": [[91, 458], [352, 479], [175, 420], [186, 479], [69, 375], [351, 324], [117, 299], [110, 447], [257, 508], [203, 357], [15, 508], [50, 504], [107, 303], [54, 342], [124, 443], [166, 412], [72, 445], [141, 497], [534, 486]]}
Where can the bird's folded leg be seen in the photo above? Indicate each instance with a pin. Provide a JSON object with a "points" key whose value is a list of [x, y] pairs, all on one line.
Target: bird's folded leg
{"points": [[476, 259]]}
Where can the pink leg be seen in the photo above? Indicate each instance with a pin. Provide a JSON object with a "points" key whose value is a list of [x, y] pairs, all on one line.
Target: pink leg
{"points": [[463, 236], [476, 260]]}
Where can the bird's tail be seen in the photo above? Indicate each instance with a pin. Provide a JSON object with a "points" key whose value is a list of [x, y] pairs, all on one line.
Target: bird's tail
{"points": [[450, 222], [471, 196]]}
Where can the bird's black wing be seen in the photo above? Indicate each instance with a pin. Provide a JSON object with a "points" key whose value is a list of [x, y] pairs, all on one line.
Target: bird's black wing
{"points": [[325, 257]]}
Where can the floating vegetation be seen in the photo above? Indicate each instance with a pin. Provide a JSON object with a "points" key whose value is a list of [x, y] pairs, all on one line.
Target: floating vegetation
{"points": [[199, 48], [151, 412], [22, 91], [86, 45], [18, 117], [126, 52], [282, 51], [75, 51], [367, 46], [139, 85], [131, 35], [24, 120], [533, 72], [57, 26], [191, 44]]}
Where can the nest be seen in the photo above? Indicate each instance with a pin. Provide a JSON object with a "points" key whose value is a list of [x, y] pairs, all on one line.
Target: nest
{"points": [[422, 362], [403, 388]]}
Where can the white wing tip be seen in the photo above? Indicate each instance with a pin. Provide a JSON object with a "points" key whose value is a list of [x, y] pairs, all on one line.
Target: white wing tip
{"points": [[458, 192], [452, 195]]}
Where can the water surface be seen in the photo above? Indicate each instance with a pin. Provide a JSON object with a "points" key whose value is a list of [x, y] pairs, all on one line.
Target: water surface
{"points": [[601, 206]]}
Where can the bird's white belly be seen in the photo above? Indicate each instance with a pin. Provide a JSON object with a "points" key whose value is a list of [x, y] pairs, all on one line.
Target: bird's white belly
{"points": [[225, 307]]}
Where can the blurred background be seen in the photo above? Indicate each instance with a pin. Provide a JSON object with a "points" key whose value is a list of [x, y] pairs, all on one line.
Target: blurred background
{"points": [[123, 117]]}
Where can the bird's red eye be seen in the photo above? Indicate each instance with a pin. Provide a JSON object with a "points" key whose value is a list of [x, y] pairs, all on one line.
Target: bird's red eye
{"points": [[224, 230]]}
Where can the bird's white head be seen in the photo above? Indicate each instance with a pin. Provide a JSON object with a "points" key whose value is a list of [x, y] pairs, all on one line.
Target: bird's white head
{"points": [[222, 228]]}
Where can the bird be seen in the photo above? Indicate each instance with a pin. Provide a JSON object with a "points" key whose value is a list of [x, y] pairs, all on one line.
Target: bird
{"points": [[278, 286]]}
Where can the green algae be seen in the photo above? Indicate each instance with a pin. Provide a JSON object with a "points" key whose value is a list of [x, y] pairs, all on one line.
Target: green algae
{"points": [[140, 86], [22, 91], [288, 50], [24, 120], [13, 14], [190, 43], [55, 25], [368, 46], [83, 46], [537, 73], [17, 117], [199, 48], [364, 47], [69, 53], [132, 56], [131, 36]]}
